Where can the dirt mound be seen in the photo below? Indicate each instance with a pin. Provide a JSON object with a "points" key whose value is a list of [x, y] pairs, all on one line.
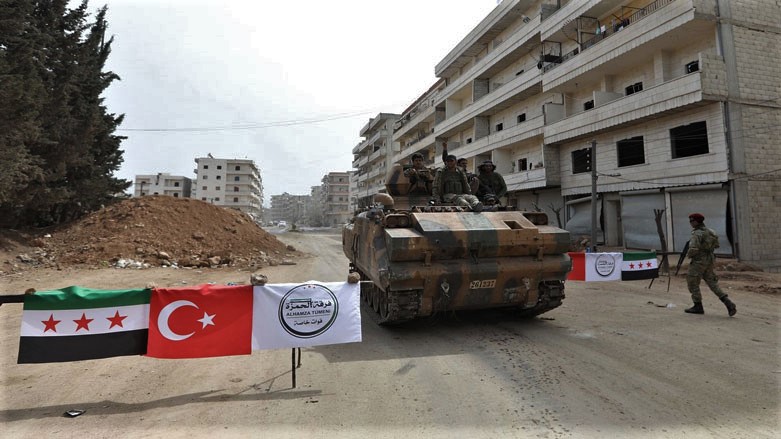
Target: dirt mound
{"points": [[162, 230]]}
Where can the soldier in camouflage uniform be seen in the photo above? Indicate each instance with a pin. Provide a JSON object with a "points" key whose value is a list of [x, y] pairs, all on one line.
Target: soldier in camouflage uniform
{"points": [[420, 177], [451, 186], [702, 244], [492, 183]]}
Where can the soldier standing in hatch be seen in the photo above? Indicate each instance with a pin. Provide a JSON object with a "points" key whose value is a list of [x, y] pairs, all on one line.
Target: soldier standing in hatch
{"points": [[702, 245], [420, 177], [451, 186]]}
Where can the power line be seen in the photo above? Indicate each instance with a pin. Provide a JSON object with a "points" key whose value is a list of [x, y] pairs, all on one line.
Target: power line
{"points": [[253, 126]]}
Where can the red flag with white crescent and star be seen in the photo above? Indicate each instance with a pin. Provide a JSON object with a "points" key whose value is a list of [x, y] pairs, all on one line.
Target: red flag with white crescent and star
{"points": [[200, 321]]}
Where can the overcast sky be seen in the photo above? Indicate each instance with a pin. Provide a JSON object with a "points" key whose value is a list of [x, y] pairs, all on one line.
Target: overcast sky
{"points": [[230, 69]]}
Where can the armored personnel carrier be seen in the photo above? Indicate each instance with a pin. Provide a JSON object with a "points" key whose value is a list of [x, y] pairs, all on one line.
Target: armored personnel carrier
{"points": [[417, 259]]}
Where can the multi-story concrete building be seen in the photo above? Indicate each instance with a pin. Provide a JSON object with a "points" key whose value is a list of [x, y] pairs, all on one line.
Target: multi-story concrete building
{"points": [[234, 183], [680, 97], [162, 184], [414, 131], [289, 208], [373, 156], [315, 215], [336, 198]]}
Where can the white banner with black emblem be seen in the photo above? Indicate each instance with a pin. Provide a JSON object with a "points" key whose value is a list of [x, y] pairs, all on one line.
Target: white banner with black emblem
{"points": [[306, 314], [603, 266]]}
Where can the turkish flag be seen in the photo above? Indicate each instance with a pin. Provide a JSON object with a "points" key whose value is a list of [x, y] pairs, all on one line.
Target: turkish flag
{"points": [[200, 321]]}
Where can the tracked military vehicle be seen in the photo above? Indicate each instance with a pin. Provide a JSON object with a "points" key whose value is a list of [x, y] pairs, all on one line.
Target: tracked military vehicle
{"points": [[416, 259]]}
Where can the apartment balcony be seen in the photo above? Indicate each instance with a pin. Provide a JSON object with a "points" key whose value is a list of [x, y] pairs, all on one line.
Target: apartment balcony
{"points": [[691, 90], [425, 111], [498, 139], [518, 44], [374, 173], [360, 161], [413, 147], [503, 16], [376, 155], [660, 26], [531, 179], [523, 86], [565, 16]]}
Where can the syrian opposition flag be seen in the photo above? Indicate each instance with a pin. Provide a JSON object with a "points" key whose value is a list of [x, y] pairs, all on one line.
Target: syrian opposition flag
{"points": [[78, 323], [639, 265], [595, 267], [200, 321], [308, 314]]}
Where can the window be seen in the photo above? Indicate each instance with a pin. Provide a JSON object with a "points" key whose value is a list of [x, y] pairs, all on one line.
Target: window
{"points": [[469, 140], [205, 177], [235, 188], [204, 188], [176, 184], [634, 88], [499, 127], [689, 140], [217, 199], [237, 178], [205, 166], [523, 165], [176, 194], [235, 199], [630, 151], [588, 105], [203, 198], [217, 188], [238, 168], [521, 118], [219, 166], [693, 66], [581, 161], [156, 193], [219, 177]]}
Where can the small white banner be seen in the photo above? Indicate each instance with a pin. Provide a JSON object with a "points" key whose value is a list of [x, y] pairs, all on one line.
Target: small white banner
{"points": [[306, 314], [603, 266]]}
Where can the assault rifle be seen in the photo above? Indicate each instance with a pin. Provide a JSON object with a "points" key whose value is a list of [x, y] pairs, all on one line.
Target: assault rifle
{"points": [[678, 265], [681, 258]]}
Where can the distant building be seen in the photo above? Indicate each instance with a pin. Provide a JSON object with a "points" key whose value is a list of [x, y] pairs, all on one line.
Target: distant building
{"points": [[162, 184], [234, 183], [314, 211], [290, 208], [336, 202]]}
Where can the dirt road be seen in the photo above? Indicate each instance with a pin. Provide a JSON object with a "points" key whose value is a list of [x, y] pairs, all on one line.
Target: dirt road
{"points": [[612, 361]]}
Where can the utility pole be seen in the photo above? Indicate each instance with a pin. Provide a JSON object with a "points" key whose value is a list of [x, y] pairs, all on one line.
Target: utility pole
{"points": [[593, 164]]}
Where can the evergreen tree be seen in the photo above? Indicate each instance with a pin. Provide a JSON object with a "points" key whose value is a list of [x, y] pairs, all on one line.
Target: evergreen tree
{"points": [[71, 159]]}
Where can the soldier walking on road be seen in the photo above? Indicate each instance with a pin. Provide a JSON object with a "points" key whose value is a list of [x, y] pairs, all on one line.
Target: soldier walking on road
{"points": [[702, 245]]}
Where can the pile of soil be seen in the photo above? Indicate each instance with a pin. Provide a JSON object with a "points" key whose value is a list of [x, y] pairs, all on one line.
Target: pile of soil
{"points": [[159, 230]]}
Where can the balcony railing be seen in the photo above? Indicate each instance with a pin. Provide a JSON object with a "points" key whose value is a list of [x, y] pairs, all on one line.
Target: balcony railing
{"points": [[608, 31]]}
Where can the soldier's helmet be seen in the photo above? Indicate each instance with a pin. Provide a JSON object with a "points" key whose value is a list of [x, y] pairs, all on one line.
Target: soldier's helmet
{"points": [[487, 164]]}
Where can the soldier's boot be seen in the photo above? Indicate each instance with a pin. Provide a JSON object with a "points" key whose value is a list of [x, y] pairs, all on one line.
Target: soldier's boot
{"points": [[731, 308], [696, 309]]}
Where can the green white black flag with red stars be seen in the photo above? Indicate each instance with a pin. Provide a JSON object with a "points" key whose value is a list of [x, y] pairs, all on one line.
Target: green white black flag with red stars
{"points": [[78, 323]]}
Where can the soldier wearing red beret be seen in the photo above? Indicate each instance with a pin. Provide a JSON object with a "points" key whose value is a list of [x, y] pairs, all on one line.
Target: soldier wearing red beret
{"points": [[702, 246]]}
